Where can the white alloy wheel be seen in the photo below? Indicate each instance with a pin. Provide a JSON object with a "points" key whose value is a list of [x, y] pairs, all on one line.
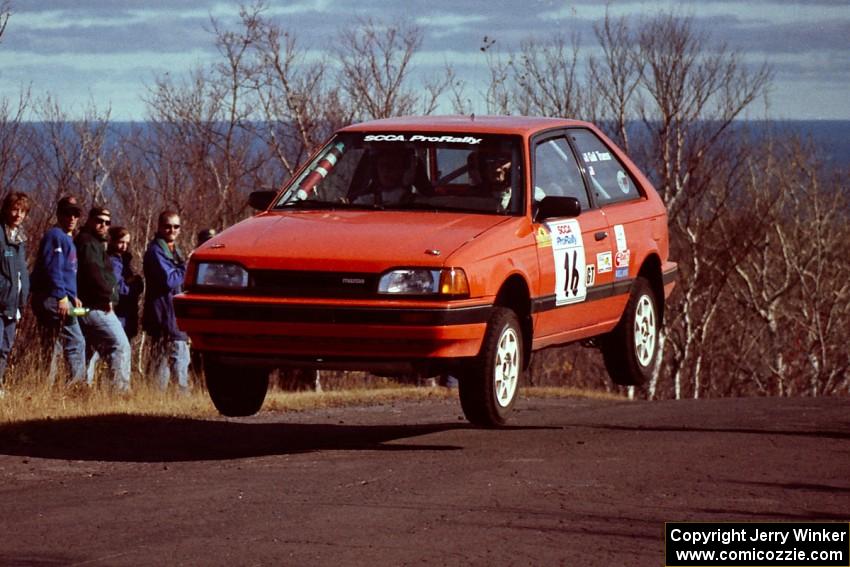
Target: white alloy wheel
{"points": [[488, 385], [506, 369], [646, 330]]}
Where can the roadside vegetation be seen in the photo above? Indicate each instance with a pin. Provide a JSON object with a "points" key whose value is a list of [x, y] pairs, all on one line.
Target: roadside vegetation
{"points": [[758, 225], [33, 400]]}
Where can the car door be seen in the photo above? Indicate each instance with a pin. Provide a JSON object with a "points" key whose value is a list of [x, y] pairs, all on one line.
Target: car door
{"points": [[570, 250], [629, 215]]}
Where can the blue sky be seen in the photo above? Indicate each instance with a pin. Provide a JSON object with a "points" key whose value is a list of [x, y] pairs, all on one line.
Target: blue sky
{"points": [[108, 52]]}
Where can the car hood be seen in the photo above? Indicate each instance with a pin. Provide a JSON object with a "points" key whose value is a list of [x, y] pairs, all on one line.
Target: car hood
{"points": [[352, 241]]}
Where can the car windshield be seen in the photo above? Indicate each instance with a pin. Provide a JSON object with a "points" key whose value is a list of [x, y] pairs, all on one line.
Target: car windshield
{"points": [[412, 171]]}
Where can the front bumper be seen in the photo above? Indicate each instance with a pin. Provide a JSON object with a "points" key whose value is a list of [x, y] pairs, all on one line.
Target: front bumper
{"points": [[355, 331]]}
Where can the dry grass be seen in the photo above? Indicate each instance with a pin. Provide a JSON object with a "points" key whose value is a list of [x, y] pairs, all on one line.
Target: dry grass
{"points": [[38, 402], [568, 392]]}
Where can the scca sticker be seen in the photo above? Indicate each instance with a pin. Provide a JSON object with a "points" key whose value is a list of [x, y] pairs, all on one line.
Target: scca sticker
{"points": [[437, 139], [568, 253]]}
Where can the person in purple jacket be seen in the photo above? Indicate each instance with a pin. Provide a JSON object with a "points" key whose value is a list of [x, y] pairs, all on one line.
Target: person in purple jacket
{"points": [[130, 284], [164, 266], [54, 294]]}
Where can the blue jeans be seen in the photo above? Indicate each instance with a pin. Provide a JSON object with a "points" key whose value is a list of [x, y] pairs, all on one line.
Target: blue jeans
{"points": [[170, 357], [69, 339], [105, 335], [60, 335], [7, 339]]}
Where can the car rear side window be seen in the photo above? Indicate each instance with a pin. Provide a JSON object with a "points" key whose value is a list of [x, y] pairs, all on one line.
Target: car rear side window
{"points": [[556, 172], [609, 179]]}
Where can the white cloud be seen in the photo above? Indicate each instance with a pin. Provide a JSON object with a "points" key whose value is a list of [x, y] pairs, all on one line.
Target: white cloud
{"points": [[108, 62]]}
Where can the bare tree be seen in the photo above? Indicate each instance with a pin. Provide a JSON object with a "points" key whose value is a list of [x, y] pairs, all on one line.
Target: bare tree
{"points": [[5, 14], [375, 61], [498, 97], [692, 91], [202, 143], [802, 292], [70, 157], [15, 137], [299, 104], [614, 79], [539, 78], [544, 78]]}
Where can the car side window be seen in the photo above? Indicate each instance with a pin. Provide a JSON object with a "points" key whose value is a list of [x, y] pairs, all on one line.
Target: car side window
{"points": [[609, 179], [556, 172]]}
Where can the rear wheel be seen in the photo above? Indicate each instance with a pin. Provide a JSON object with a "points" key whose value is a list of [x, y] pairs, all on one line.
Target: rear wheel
{"points": [[235, 391], [488, 387], [630, 351]]}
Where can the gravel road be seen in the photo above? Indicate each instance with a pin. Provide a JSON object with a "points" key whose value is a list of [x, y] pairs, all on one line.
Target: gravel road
{"points": [[571, 482]]}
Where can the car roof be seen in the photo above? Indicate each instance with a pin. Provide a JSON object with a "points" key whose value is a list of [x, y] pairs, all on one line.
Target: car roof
{"points": [[521, 125]]}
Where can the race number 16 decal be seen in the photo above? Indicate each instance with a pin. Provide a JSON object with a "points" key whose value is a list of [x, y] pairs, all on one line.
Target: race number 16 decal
{"points": [[568, 251]]}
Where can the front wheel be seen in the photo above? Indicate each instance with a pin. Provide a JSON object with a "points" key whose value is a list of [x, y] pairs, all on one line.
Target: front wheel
{"points": [[235, 392], [488, 387], [630, 351]]}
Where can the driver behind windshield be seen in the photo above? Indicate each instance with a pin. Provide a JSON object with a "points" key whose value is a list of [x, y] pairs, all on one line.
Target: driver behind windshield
{"points": [[392, 183]]}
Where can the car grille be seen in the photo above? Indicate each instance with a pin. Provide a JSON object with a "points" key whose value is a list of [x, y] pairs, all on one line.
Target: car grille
{"points": [[280, 283]]}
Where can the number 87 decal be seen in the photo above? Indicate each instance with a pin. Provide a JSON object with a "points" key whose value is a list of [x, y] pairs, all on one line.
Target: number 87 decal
{"points": [[568, 254]]}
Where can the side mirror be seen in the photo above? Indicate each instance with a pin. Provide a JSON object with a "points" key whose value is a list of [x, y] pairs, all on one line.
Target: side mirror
{"points": [[554, 207], [260, 200]]}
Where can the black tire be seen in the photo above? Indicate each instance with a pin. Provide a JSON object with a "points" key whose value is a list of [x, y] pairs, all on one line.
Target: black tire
{"points": [[235, 391], [488, 386], [630, 351]]}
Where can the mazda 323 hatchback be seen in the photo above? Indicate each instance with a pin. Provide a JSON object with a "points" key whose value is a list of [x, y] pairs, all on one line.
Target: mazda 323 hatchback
{"points": [[437, 245]]}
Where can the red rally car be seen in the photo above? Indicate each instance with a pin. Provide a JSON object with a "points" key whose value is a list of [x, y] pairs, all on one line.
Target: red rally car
{"points": [[436, 245]]}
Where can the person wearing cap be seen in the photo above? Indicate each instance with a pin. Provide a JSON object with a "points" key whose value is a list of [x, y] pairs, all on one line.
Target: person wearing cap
{"points": [[204, 235], [14, 279], [54, 294], [164, 267], [99, 292]]}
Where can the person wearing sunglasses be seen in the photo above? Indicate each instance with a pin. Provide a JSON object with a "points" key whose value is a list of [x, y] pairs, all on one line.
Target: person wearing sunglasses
{"points": [[164, 267], [54, 294], [98, 291]]}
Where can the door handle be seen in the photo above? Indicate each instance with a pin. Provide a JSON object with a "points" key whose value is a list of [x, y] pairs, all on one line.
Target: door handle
{"points": [[601, 235]]}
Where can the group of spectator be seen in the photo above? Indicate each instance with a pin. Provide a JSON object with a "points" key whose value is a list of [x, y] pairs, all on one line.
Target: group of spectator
{"points": [[85, 295]]}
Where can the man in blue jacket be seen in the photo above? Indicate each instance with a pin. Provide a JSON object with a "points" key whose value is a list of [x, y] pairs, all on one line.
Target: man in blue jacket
{"points": [[14, 279], [164, 267], [54, 293]]}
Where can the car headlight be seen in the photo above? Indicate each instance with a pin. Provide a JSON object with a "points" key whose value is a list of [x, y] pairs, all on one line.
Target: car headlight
{"points": [[219, 274], [419, 281]]}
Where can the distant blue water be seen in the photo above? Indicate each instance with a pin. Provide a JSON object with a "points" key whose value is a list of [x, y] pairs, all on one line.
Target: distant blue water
{"points": [[831, 138]]}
